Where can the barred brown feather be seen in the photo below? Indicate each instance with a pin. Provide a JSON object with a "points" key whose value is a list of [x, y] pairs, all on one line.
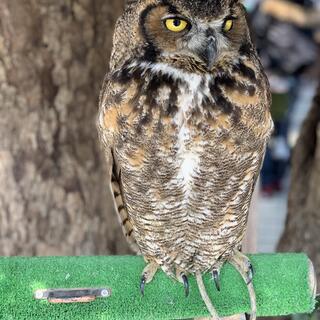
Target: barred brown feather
{"points": [[188, 139]]}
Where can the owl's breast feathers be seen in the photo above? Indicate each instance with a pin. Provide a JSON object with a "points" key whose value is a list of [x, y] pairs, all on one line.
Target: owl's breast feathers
{"points": [[189, 147]]}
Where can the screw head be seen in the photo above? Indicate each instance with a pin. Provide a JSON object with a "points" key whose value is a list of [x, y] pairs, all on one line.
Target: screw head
{"points": [[104, 293], [39, 294]]}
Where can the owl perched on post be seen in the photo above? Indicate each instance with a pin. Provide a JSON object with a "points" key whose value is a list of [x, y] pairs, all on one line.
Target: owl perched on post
{"points": [[184, 120]]}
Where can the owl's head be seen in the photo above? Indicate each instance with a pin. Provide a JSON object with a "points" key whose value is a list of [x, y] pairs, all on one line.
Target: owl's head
{"points": [[202, 31]]}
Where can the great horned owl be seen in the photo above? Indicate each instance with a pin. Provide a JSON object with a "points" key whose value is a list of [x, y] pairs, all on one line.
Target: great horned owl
{"points": [[184, 120]]}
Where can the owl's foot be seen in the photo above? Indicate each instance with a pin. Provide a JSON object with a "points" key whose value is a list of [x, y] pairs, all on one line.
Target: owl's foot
{"points": [[244, 267], [181, 276], [147, 275]]}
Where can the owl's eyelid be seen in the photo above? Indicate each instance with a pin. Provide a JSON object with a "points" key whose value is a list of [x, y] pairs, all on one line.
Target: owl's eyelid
{"points": [[171, 16], [231, 17]]}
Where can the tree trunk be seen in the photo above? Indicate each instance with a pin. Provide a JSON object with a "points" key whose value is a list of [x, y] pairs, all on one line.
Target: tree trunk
{"points": [[303, 220], [53, 190]]}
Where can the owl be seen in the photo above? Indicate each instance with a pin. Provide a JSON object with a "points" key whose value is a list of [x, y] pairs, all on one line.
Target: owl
{"points": [[184, 121]]}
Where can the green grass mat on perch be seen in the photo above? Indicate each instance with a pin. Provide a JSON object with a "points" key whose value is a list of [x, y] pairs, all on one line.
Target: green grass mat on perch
{"points": [[284, 284]]}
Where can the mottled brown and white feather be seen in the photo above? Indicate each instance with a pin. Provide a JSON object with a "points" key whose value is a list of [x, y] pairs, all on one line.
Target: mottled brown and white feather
{"points": [[187, 142]]}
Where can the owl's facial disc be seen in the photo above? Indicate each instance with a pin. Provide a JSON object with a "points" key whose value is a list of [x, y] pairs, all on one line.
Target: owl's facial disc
{"points": [[176, 33]]}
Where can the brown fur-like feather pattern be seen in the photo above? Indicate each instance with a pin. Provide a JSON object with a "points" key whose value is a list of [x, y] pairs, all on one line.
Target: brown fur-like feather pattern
{"points": [[186, 142], [195, 223]]}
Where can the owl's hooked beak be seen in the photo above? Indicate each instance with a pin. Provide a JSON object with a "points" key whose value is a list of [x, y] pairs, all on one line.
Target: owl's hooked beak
{"points": [[208, 52]]}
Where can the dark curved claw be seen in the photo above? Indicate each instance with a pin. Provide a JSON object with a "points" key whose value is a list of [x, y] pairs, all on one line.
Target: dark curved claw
{"points": [[142, 284], [216, 278], [247, 315], [186, 284], [250, 274]]}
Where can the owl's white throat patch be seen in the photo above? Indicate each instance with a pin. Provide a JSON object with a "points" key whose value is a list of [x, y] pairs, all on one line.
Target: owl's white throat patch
{"points": [[187, 158], [191, 92], [190, 95]]}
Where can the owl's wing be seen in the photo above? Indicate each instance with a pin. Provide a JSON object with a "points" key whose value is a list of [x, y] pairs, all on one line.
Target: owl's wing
{"points": [[109, 128]]}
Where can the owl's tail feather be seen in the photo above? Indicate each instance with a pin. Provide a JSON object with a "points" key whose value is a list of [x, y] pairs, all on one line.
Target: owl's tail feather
{"points": [[205, 297]]}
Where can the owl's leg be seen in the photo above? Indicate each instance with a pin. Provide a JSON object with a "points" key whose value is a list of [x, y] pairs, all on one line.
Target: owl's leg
{"points": [[244, 267], [147, 275], [182, 277]]}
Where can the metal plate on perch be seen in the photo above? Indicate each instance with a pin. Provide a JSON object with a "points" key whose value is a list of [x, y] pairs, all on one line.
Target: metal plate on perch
{"points": [[72, 295]]}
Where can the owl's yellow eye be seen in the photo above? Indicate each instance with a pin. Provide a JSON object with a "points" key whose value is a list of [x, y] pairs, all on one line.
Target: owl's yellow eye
{"points": [[228, 25], [176, 24]]}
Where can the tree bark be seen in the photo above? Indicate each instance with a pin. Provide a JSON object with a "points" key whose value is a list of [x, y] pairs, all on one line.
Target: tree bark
{"points": [[303, 220], [53, 190]]}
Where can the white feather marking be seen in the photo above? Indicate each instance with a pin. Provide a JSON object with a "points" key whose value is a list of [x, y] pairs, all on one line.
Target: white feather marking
{"points": [[164, 68], [187, 158], [189, 162]]}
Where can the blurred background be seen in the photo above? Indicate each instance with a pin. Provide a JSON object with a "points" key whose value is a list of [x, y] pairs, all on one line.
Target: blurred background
{"points": [[286, 34], [53, 196]]}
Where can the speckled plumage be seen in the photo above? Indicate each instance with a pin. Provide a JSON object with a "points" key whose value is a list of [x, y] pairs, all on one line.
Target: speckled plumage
{"points": [[186, 141]]}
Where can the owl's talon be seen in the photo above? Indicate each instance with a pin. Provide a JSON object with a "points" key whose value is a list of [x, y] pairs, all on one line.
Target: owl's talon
{"points": [[247, 315], [182, 278], [250, 274], [147, 275], [142, 284], [216, 278], [186, 284]]}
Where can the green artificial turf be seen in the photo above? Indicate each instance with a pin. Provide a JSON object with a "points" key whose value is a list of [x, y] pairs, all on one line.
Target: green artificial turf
{"points": [[281, 285]]}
